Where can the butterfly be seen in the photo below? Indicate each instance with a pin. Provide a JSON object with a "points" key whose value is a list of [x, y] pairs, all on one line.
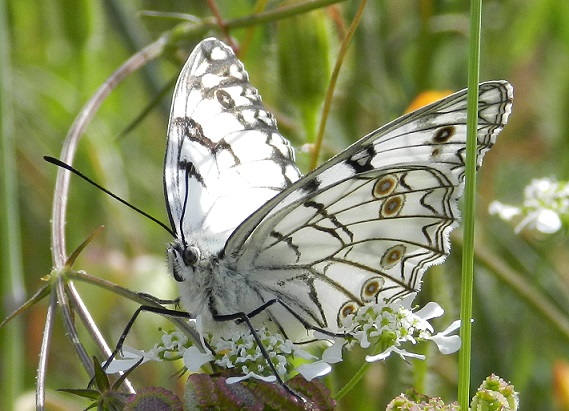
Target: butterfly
{"points": [[300, 253]]}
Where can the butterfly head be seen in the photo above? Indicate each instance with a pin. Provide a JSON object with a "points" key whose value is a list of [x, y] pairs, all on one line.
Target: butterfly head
{"points": [[183, 259]]}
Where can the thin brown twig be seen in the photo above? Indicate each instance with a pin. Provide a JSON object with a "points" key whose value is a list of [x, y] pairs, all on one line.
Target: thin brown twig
{"points": [[222, 26], [44, 352]]}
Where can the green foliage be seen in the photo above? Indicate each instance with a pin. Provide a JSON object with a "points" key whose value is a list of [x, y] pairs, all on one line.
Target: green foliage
{"points": [[103, 395], [61, 52]]}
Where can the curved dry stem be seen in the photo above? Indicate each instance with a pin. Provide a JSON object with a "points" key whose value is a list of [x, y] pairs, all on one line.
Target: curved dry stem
{"points": [[139, 298], [69, 324], [72, 139], [92, 329], [59, 254], [44, 350], [280, 13]]}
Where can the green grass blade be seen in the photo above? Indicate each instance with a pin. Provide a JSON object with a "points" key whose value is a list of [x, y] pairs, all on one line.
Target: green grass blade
{"points": [[469, 207], [12, 338]]}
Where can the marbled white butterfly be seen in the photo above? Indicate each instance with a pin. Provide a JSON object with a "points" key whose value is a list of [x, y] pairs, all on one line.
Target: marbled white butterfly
{"points": [[297, 252]]}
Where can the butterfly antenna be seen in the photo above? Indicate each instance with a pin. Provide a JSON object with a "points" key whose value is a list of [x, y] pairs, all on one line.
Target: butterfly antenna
{"points": [[184, 206], [66, 166]]}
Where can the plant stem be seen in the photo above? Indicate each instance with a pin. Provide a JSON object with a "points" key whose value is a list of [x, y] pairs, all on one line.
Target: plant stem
{"points": [[11, 276], [469, 207], [333, 80]]}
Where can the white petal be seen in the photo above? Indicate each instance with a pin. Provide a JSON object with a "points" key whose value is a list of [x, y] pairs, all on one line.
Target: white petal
{"points": [[544, 220], [269, 378], [548, 221], [121, 365], [194, 359], [430, 310], [447, 344], [522, 224], [505, 211], [362, 338], [455, 325], [333, 354], [380, 356], [130, 356], [386, 353], [313, 370], [303, 354]]}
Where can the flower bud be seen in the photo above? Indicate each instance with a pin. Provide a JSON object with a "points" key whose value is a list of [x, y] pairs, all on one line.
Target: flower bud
{"points": [[495, 395]]}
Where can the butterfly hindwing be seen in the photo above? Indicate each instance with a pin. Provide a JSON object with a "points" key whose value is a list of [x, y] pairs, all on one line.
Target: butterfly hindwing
{"points": [[370, 221]]}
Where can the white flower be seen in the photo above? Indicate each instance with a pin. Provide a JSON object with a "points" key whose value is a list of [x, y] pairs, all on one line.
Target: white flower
{"points": [[331, 355], [267, 378], [194, 359], [238, 350], [543, 220], [386, 326], [545, 206], [175, 340], [540, 191], [446, 343], [129, 358], [504, 211], [388, 351], [383, 327]]}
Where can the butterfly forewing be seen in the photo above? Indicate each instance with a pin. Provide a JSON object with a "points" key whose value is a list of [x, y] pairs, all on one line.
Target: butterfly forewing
{"points": [[224, 156]]}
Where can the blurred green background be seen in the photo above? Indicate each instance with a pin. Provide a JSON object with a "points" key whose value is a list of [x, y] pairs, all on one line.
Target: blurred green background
{"points": [[56, 53]]}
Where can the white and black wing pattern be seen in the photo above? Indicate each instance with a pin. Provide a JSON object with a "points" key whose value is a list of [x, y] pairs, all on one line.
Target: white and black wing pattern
{"points": [[224, 156], [362, 227], [366, 224]]}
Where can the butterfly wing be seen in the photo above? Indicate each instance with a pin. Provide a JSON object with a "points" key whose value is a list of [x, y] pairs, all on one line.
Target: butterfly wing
{"points": [[366, 224], [224, 155]]}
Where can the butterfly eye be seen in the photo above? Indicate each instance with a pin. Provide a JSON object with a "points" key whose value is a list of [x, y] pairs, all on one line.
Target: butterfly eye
{"points": [[190, 255]]}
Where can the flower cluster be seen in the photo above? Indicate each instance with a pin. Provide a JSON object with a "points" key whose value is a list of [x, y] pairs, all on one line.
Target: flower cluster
{"points": [[239, 351], [382, 327], [171, 347], [386, 326], [494, 394], [545, 207]]}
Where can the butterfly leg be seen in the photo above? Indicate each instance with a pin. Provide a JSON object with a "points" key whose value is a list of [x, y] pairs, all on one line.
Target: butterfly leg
{"points": [[244, 318], [157, 300], [300, 319], [146, 308]]}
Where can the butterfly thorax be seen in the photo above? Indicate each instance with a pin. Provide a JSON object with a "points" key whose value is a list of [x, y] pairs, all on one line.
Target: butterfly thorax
{"points": [[208, 287]]}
